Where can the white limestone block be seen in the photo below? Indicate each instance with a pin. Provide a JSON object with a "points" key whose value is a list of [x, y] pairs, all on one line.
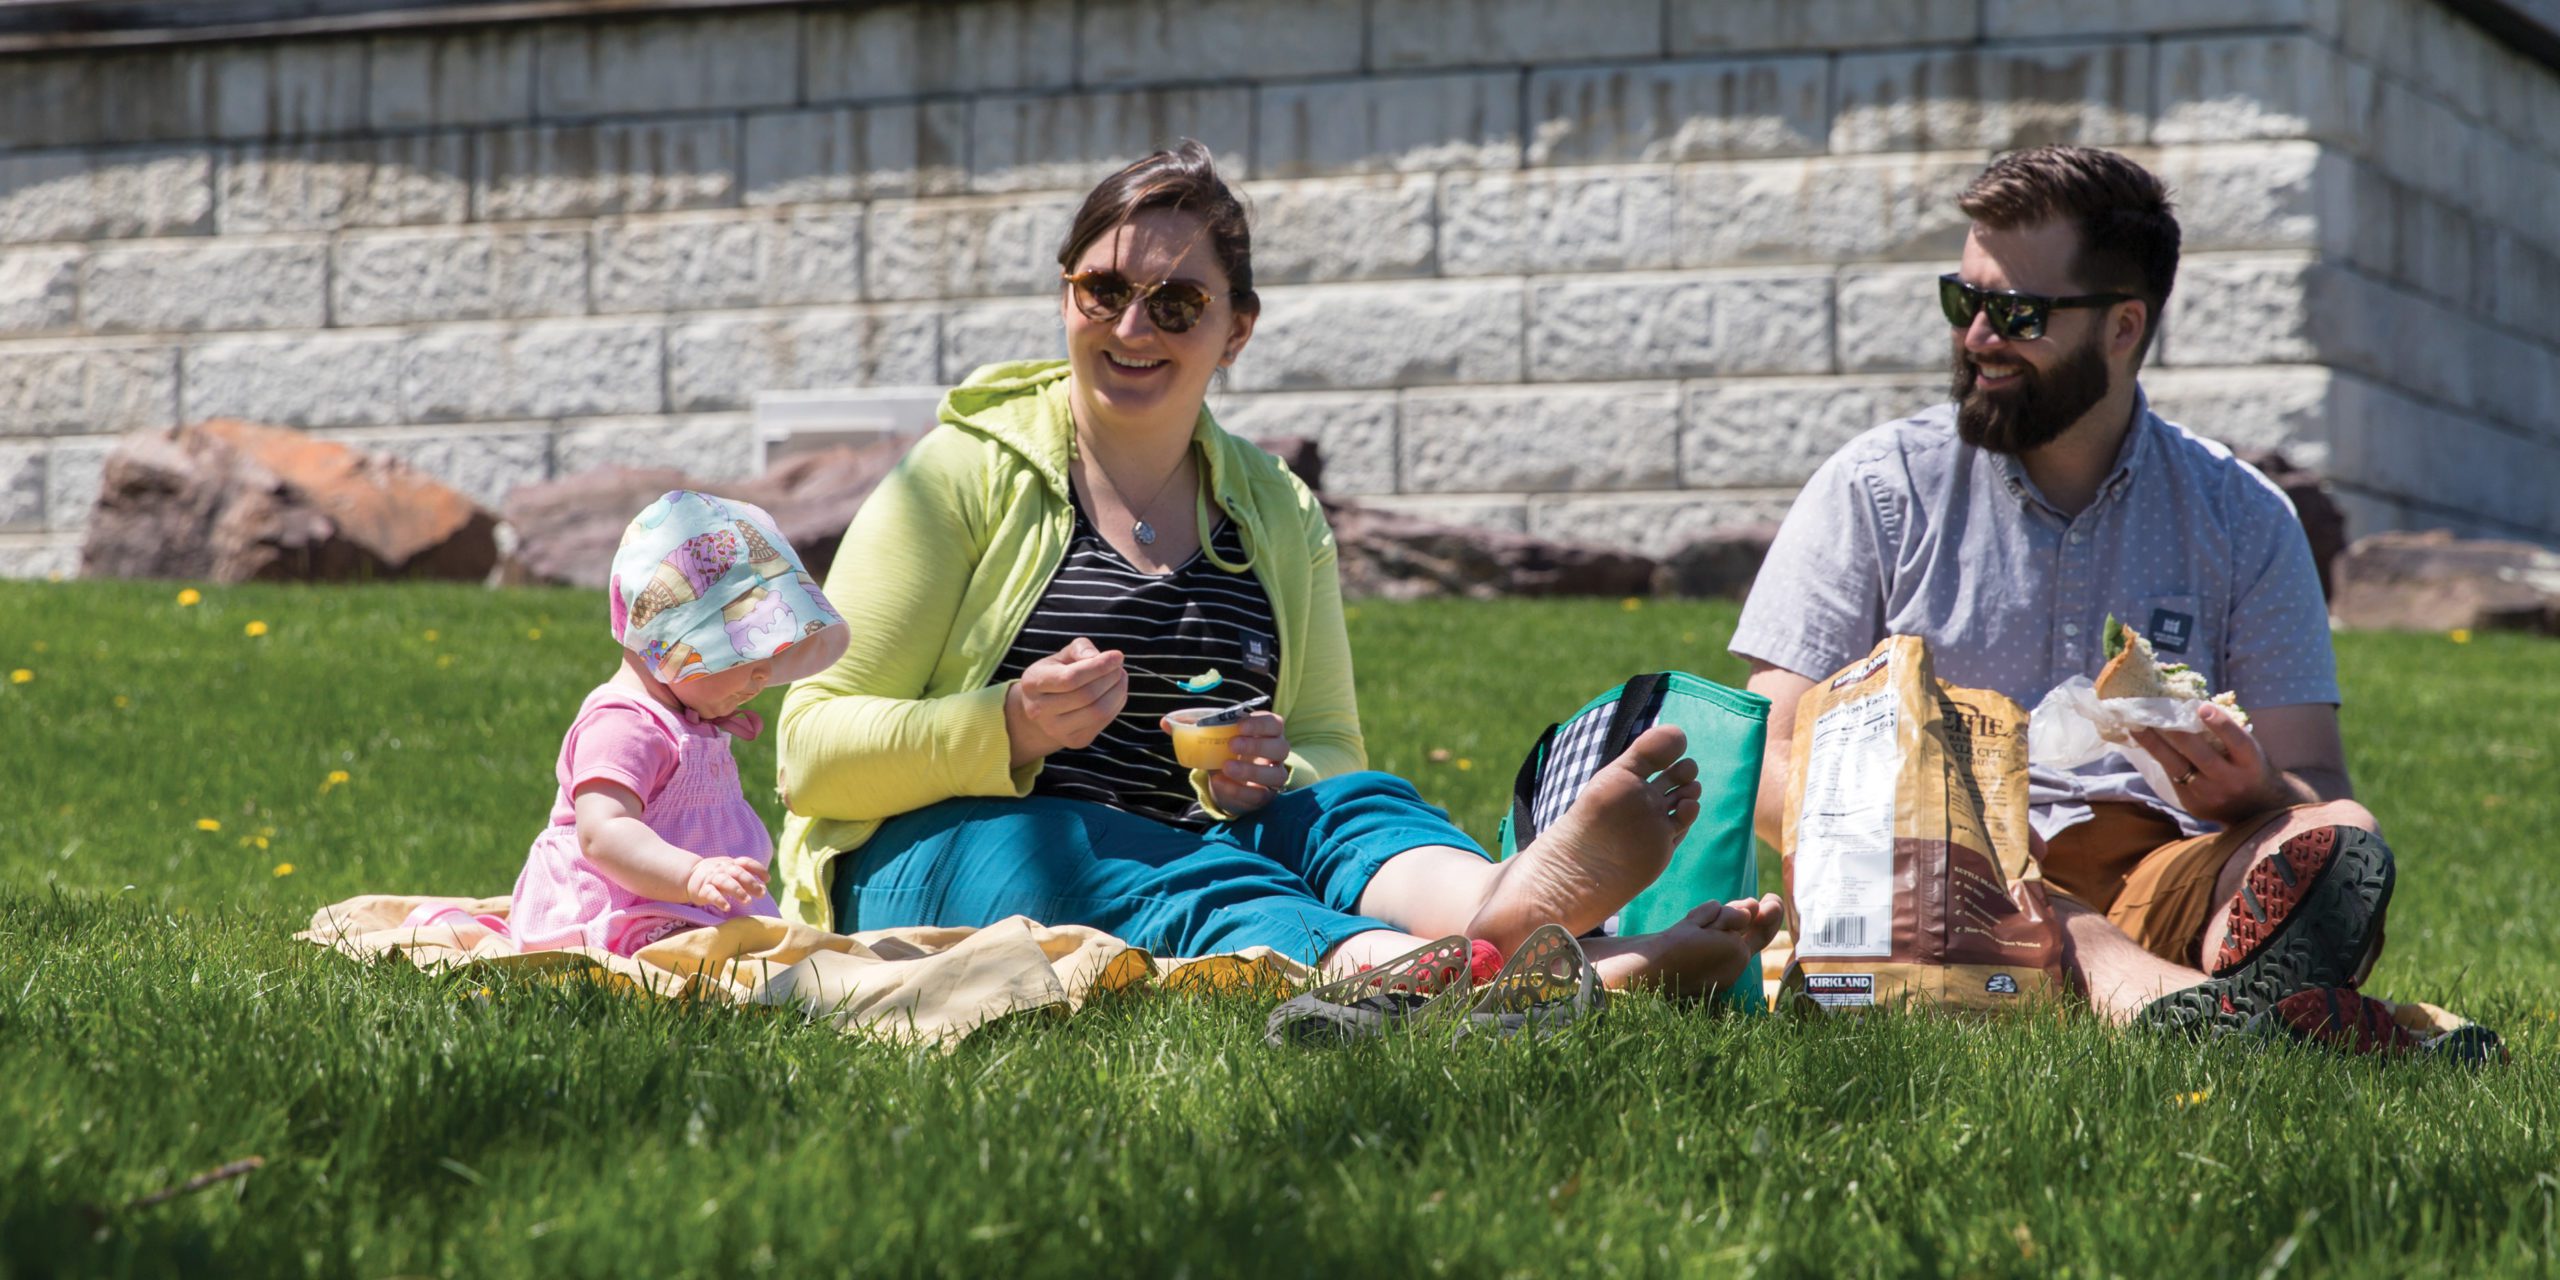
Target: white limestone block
{"points": [[687, 62], [1997, 98], [2280, 407], [1321, 337], [1689, 324], [1773, 432], [1399, 124], [2256, 195], [75, 473], [2242, 88], [1794, 26], [178, 285], [64, 388], [468, 76], [964, 248], [1040, 142], [297, 380], [21, 487], [1890, 321], [1444, 33], [405, 277], [709, 446], [1834, 209], [282, 88], [1354, 431], [1540, 439], [856, 153], [2041, 19], [1216, 41], [323, 186], [588, 170], [40, 557], [39, 290], [1317, 230], [690, 262], [546, 369], [985, 333], [1653, 112], [853, 53], [1543, 222], [95, 195], [721, 362]]}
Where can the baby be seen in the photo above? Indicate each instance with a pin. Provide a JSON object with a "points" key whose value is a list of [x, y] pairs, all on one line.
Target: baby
{"points": [[650, 834]]}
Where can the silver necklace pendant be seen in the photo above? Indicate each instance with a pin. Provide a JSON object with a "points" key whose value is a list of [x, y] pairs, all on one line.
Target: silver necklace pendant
{"points": [[1146, 533]]}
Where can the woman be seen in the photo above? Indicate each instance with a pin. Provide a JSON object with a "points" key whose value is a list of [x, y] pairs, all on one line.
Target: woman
{"points": [[1029, 585]]}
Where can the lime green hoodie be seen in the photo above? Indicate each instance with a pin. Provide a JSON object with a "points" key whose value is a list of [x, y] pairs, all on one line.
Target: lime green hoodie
{"points": [[940, 570]]}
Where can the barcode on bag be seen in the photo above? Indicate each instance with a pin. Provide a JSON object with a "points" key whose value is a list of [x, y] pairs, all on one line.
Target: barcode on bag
{"points": [[1841, 931]]}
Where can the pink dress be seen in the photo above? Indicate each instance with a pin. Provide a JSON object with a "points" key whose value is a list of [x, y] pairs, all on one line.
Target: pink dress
{"points": [[687, 781]]}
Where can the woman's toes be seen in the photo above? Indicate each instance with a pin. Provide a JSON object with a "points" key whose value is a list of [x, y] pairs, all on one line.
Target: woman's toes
{"points": [[1655, 750]]}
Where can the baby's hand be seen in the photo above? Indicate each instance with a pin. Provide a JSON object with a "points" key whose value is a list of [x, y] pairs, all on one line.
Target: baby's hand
{"points": [[724, 883]]}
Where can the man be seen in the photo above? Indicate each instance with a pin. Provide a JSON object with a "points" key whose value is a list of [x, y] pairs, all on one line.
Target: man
{"points": [[2005, 527]]}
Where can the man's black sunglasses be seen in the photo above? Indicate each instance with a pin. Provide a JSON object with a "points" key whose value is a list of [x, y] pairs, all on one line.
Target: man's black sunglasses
{"points": [[2014, 315]]}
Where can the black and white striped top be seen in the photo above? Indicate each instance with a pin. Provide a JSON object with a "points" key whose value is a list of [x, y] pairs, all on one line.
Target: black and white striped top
{"points": [[1178, 624]]}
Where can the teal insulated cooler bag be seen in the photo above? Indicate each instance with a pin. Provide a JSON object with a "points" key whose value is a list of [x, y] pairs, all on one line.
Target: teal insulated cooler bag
{"points": [[1719, 859]]}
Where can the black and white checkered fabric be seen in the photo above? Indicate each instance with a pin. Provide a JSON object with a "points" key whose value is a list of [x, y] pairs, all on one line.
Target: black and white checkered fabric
{"points": [[1571, 763]]}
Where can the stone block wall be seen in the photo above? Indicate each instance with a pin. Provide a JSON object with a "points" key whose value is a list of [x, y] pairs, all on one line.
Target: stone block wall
{"points": [[1619, 270]]}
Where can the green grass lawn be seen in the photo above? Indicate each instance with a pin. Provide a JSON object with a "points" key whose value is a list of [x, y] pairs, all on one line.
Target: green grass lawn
{"points": [[168, 816]]}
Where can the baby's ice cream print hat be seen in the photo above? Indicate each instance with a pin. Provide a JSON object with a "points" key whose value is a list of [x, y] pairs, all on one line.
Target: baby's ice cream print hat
{"points": [[702, 584]]}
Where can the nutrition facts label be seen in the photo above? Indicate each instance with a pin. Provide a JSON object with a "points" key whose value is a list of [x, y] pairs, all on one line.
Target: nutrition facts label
{"points": [[1844, 831]]}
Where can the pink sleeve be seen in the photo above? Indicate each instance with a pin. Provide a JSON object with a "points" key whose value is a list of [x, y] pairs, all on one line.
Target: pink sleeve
{"points": [[618, 744]]}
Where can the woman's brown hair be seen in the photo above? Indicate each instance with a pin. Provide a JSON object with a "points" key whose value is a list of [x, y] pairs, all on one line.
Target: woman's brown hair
{"points": [[1181, 178]]}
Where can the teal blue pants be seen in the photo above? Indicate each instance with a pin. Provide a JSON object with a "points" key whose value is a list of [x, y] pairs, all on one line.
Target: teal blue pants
{"points": [[1288, 878]]}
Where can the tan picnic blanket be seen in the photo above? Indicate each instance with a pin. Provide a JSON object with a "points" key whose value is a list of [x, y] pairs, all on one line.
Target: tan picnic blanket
{"points": [[930, 986]]}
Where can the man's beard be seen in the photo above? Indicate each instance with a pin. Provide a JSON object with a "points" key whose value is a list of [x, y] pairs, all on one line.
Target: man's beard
{"points": [[2038, 406]]}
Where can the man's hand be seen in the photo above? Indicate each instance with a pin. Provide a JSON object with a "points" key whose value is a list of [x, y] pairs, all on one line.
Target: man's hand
{"points": [[1259, 768], [724, 884], [1064, 700], [2221, 773]]}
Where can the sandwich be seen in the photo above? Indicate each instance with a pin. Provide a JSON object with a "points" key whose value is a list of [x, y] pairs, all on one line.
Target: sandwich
{"points": [[2133, 671]]}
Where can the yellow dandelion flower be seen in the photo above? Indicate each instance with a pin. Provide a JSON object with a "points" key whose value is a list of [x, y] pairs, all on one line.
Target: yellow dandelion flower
{"points": [[283, 869], [260, 841], [190, 598], [122, 702], [2459, 635], [1465, 763], [432, 635], [21, 676], [443, 660], [254, 629], [208, 824], [41, 646], [336, 778], [2195, 1098], [533, 633], [1631, 604]]}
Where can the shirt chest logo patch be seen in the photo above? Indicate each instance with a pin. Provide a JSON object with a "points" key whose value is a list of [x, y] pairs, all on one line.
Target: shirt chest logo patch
{"points": [[1257, 653], [2171, 632]]}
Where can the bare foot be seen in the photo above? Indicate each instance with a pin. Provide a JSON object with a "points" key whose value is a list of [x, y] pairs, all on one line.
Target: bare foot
{"points": [[1711, 948], [1605, 849]]}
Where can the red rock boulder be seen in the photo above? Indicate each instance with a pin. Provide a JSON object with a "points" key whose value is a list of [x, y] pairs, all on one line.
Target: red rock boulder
{"points": [[229, 501], [2434, 581]]}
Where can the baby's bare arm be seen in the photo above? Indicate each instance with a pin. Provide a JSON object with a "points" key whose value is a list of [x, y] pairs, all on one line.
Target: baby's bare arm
{"points": [[613, 837]]}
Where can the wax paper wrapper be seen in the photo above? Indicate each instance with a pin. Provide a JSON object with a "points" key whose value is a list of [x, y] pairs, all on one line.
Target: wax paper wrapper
{"points": [[2074, 726]]}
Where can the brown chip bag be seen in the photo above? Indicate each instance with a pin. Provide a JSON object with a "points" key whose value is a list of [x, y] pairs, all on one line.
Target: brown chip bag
{"points": [[1908, 872]]}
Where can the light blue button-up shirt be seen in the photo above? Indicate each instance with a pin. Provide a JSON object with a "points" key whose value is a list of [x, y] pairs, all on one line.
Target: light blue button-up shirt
{"points": [[1909, 531]]}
